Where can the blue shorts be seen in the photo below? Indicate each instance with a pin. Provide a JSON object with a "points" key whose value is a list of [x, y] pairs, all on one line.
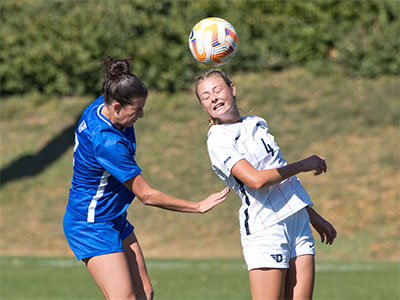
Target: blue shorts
{"points": [[88, 239]]}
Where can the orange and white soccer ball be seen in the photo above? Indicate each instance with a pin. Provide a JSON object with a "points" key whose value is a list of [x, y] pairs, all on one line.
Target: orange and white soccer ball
{"points": [[213, 41]]}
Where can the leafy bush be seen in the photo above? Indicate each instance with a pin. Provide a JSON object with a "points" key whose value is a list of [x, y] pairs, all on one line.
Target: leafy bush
{"points": [[55, 47]]}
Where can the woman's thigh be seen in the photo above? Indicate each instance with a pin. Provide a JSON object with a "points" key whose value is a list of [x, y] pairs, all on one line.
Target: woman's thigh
{"points": [[267, 283], [112, 275], [137, 266], [300, 278]]}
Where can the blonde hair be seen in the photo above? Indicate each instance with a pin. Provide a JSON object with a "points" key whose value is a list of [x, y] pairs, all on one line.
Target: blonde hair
{"points": [[208, 74]]}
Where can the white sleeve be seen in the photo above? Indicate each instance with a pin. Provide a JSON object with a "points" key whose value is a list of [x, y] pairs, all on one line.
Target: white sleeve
{"points": [[222, 149]]}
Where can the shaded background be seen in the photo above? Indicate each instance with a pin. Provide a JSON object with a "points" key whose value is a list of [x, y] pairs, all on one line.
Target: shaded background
{"points": [[323, 73]]}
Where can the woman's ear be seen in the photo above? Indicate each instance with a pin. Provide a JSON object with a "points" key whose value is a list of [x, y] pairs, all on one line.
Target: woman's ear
{"points": [[117, 107], [233, 89]]}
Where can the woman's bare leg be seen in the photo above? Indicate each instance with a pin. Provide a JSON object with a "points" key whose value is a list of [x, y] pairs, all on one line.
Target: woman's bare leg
{"points": [[267, 283], [300, 278], [112, 275], [137, 265]]}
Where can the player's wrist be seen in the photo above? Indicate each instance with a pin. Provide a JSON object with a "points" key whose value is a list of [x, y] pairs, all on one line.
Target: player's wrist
{"points": [[197, 207], [300, 166]]}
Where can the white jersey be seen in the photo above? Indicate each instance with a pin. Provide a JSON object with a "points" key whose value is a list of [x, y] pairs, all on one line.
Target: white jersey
{"points": [[250, 139]]}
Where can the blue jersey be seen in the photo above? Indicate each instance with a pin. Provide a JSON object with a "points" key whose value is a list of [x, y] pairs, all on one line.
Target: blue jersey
{"points": [[104, 158]]}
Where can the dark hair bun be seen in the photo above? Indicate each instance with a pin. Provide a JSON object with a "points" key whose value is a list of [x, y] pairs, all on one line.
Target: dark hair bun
{"points": [[115, 68]]}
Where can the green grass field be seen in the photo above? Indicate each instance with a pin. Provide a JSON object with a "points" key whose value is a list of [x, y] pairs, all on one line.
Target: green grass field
{"points": [[66, 278]]}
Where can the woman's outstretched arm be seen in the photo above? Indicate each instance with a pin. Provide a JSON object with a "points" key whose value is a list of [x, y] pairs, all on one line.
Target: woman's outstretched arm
{"points": [[149, 196]]}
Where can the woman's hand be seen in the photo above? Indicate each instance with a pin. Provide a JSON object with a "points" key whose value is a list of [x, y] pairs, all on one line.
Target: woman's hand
{"points": [[314, 162], [213, 200], [325, 229]]}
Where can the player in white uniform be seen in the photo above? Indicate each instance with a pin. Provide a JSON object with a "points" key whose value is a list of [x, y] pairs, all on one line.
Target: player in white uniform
{"points": [[277, 240]]}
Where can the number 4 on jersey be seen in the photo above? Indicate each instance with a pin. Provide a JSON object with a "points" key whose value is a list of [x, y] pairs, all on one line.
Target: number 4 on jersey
{"points": [[268, 147]]}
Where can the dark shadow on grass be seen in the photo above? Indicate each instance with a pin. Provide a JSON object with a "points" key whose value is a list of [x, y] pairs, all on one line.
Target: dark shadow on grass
{"points": [[31, 165]]}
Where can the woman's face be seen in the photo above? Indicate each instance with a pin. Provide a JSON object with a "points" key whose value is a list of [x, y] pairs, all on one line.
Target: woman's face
{"points": [[217, 99], [126, 115]]}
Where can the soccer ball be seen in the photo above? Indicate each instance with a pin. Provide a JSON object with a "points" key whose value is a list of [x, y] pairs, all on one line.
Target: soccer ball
{"points": [[213, 41]]}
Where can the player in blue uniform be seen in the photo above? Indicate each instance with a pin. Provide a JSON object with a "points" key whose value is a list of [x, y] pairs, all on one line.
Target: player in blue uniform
{"points": [[106, 178], [276, 237]]}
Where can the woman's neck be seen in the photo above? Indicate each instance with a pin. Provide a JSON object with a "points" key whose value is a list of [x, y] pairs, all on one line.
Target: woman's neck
{"points": [[230, 120], [107, 113], [232, 116]]}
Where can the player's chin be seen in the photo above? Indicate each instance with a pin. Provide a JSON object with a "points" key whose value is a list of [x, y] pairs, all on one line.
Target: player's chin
{"points": [[129, 124], [218, 114]]}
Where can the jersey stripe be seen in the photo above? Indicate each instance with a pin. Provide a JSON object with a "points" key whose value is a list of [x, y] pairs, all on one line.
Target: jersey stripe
{"points": [[246, 211], [283, 196], [101, 116], [259, 214], [251, 154], [246, 221], [273, 209], [99, 194]]}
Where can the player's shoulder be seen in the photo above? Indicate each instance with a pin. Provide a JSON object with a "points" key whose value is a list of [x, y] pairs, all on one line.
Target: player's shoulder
{"points": [[254, 120], [94, 125], [223, 131], [93, 107], [91, 113]]}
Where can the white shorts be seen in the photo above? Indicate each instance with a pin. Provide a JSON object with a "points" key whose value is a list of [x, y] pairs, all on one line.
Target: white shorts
{"points": [[274, 246]]}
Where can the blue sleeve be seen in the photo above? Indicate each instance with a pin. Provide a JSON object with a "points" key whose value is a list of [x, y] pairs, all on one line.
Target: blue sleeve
{"points": [[117, 156]]}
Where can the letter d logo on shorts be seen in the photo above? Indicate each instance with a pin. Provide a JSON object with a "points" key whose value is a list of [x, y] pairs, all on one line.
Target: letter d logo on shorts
{"points": [[278, 257]]}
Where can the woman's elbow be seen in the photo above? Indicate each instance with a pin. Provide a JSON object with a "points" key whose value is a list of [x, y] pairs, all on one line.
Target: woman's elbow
{"points": [[146, 199], [255, 183], [259, 183]]}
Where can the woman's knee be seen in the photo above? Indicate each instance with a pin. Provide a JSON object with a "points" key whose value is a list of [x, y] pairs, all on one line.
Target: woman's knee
{"points": [[149, 293]]}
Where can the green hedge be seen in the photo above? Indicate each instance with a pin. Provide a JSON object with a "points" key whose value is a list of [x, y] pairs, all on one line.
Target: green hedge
{"points": [[55, 47]]}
